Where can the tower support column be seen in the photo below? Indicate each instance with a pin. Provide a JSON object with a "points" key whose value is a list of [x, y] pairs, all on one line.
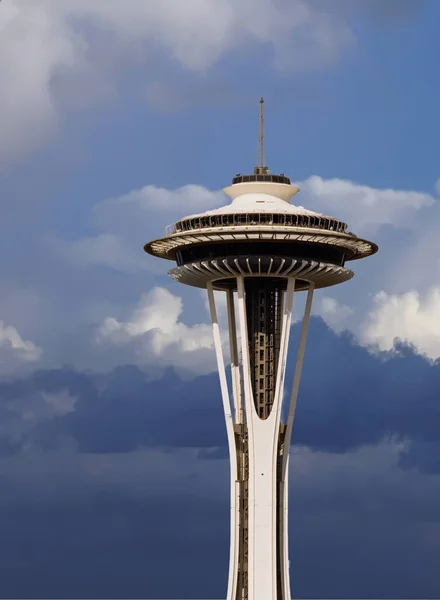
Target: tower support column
{"points": [[229, 419], [258, 446]]}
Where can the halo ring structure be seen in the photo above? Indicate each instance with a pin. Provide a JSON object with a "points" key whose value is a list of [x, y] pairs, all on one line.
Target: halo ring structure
{"points": [[223, 272], [353, 246]]}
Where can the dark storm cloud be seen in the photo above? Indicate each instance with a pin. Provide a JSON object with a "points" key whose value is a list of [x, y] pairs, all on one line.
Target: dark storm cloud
{"points": [[348, 398], [102, 525], [114, 546], [130, 411], [354, 535], [422, 455], [118, 412]]}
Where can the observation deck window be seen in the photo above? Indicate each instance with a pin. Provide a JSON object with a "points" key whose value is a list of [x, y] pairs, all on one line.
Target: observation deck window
{"points": [[252, 219], [256, 248], [261, 177]]}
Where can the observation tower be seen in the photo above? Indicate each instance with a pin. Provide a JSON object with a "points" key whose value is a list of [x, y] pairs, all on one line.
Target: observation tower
{"points": [[259, 250]]}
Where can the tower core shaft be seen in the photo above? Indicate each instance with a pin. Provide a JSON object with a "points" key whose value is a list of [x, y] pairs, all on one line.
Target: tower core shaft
{"points": [[259, 566], [259, 250]]}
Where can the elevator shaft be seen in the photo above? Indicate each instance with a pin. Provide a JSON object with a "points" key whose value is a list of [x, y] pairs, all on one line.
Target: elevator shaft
{"points": [[258, 440], [264, 301]]}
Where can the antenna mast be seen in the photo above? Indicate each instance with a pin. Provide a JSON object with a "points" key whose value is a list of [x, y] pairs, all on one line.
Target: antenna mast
{"points": [[261, 168], [261, 157]]}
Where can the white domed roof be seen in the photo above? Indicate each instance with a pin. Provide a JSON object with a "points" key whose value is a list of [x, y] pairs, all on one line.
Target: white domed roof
{"points": [[259, 197]]}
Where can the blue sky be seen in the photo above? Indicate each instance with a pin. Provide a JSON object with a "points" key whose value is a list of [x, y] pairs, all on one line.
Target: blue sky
{"points": [[116, 120]]}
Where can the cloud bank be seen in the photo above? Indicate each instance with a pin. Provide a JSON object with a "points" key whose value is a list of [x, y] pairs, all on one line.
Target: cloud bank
{"points": [[15, 352], [411, 317], [55, 56], [155, 334]]}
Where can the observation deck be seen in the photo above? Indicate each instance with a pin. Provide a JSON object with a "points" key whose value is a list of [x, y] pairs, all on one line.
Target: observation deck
{"points": [[260, 234]]}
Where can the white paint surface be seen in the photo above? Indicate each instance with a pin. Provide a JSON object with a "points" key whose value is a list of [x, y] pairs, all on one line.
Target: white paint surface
{"points": [[263, 448]]}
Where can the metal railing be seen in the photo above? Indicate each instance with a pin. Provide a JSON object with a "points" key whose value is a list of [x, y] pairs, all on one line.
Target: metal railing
{"points": [[256, 219]]}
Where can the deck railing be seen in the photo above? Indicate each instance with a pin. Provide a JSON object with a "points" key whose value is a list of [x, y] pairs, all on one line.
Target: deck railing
{"points": [[256, 219]]}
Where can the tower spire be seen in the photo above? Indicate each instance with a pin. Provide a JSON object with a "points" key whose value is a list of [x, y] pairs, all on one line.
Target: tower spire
{"points": [[261, 168]]}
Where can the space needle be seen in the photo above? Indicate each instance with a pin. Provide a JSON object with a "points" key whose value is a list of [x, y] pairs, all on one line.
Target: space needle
{"points": [[259, 250]]}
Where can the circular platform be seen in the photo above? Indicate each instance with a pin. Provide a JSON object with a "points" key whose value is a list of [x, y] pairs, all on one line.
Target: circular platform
{"points": [[223, 272], [260, 234]]}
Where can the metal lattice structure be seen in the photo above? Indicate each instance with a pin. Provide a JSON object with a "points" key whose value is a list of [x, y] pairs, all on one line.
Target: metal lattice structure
{"points": [[260, 250]]}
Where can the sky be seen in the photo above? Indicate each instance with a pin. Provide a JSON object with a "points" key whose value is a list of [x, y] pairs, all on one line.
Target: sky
{"points": [[118, 119]]}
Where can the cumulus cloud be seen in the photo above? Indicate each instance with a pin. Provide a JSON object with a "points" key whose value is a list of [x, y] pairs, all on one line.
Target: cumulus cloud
{"points": [[44, 40], [105, 249], [401, 265], [413, 269], [358, 400], [50, 50], [15, 351], [200, 32], [333, 312], [364, 208], [155, 334], [34, 44], [136, 207], [411, 317], [126, 223]]}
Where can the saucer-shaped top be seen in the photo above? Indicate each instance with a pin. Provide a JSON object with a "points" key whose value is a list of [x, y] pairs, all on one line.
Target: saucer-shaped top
{"points": [[260, 210]]}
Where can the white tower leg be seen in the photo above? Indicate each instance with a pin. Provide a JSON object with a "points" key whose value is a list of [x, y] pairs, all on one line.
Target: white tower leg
{"points": [[267, 483], [233, 555], [284, 542]]}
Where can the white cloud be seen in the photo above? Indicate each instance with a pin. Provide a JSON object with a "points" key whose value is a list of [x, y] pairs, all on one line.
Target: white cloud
{"points": [[58, 53], [155, 334], [34, 44], [198, 33], [15, 351], [49, 50], [333, 312], [126, 223], [410, 317], [137, 207], [105, 249], [364, 208]]}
